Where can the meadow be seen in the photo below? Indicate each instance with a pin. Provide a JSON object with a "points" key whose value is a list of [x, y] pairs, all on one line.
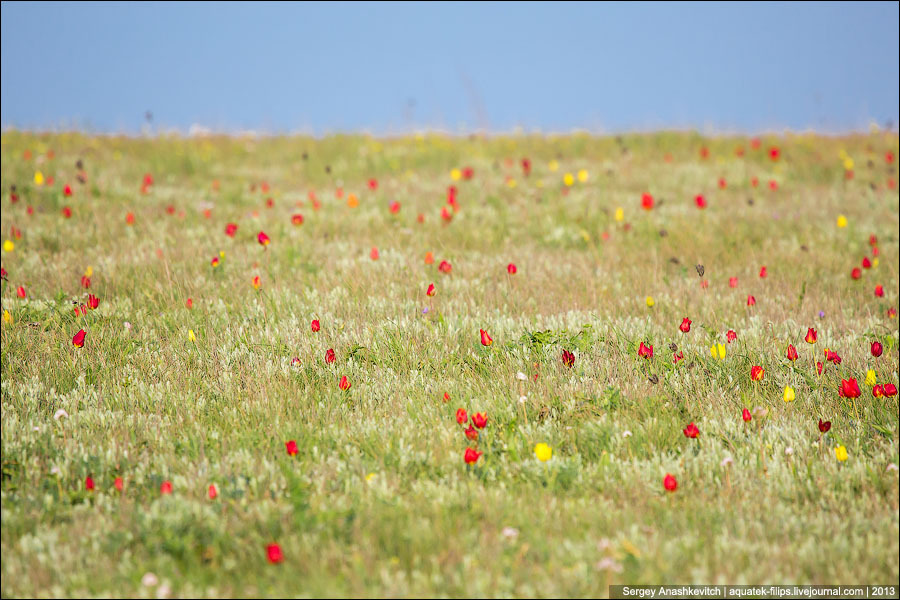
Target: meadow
{"points": [[687, 371]]}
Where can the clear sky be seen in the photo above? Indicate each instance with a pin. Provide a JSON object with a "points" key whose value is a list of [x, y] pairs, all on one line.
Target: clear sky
{"points": [[390, 67]]}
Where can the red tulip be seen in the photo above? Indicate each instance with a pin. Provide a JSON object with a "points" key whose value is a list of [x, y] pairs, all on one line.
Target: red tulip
{"points": [[511, 269], [486, 340], [93, 301], [231, 229], [700, 201], [215, 261], [677, 356], [774, 153], [262, 238], [890, 390], [329, 356], [291, 447], [732, 282], [394, 207], [170, 209], [446, 397], [67, 191], [471, 433], [479, 420], [856, 273], [451, 194], [751, 301], [295, 362], [746, 416], [792, 354], [568, 358], [763, 272], [20, 292], [461, 416], [670, 483], [819, 367], [189, 303], [824, 426], [866, 263], [833, 357], [757, 373], [892, 313], [67, 212], [468, 173], [811, 336], [526, 167], [119, 484], [849, 388], [645, 351], [344, 384], [685, 325], [85, 281], [165, 488], [722, 183], [78, 340], [704, 152], [730, 336], [646, 201], [445, 214], [879, 291], [754, 181], [471, 457], [274, 554], [691, 431], [297, 219], [445, 267], [877, 391], [877, 349], [373, 184], [374, 253], [89, 483], [430, 291], [315, 325]]}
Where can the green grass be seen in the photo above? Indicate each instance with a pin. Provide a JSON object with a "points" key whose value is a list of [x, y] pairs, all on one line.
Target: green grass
{"points": [[379, 502]]}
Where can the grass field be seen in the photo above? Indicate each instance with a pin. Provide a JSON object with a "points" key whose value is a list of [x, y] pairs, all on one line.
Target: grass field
{"points": [[378, 499]]}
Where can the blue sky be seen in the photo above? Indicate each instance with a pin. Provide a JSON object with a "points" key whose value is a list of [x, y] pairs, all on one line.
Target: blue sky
{"points": [[392, 67]]}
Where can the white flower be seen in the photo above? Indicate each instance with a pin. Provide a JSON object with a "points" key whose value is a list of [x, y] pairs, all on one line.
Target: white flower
{"points": [[523, 399], [891, 467], [626, 434], [521, 376], [604, 544], [608, 564], [789, 451], [60, 414], [128, 326], [149, 579], [54, 470], [510, 533], [726, 461], [163, 591], [35, 428]]}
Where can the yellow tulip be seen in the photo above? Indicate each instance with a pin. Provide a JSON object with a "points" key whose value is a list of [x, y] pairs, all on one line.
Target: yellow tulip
{"points": [[7, 318], [870, 378], [511, 183], [840, 453], [8, 246], [543, 452], [89, 271], [620, 214], [191, 335], [848, 164], [582, 175], [568, 179], [718, 351], [841, 221], [38, 178], [650, 302], [553, 165], [455, 174], [789, 394]]}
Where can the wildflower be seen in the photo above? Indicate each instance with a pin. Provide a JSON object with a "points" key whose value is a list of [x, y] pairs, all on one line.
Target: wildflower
{"points": [[840, 453], [877, 391], [670, 483], [877, 349], [890, 390], [8, 246], [291, 447], [445, 267], [429, 258], [461, 416], [479, 420], [700, 201], [471, 456], [60, 413], [471, 433], [510, 533], [626, 434], [20, 292], [811, 336], [792, 353], [762, 272], [344, 384], [650, 302], [730, 336], [789, 394], [191, 336], [329, 356], [732, 282], [78, 339], [374, 253], [685, 325], [297, 219], [849, 388], [691, 431], [543, 452], [757, 373], [856, 273], [486, 340], [511, 269], [879, 291], [568, 179], [620, 214], [119, 484], [646, 201], [231, 229], [274, 554], [746, 416], [870, 378], [568, 358], [751, 300], [718, 351], [89, 483], [521, 376], [841, 221], [165, 488], [263, 239], [315, 325], [212, 492], [257, 282], [727, 461], [431, 290], [645, 351]]}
